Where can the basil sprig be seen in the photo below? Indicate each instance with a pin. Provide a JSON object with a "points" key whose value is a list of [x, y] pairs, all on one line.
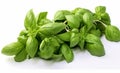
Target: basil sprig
{"points": [[55, 39]]}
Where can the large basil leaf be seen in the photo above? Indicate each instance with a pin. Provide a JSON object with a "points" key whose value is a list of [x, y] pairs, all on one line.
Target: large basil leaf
{"points": [[94, 45], [73, 21], [52, 28], [12, 48]]}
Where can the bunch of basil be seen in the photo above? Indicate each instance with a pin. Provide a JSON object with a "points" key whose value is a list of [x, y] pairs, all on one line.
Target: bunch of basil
{"points": [[55, 39]]}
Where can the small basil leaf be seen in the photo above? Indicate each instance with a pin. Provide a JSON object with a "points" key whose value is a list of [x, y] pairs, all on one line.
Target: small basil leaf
{"points": [[30, 21], [41, 15], [64, 36], [74, 40], [12, 48], [67, 53], [23, 32], [57, 57], [105, 18], [31, 46], [100, 9], [60, 15], [100, 26], [82, 35], [112, 33], [96, 32], [21, 56], [22, 39]]}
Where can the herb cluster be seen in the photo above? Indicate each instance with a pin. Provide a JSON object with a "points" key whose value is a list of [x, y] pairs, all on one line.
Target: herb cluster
{"points": [[54, 40]]}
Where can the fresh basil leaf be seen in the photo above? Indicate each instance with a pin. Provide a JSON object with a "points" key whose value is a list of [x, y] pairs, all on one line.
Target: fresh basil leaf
{"points": [[41, 15], [82, 35], [44, 21], [100, 26], [23, 32], [47, 47], [96, 32], [12, 48], [22, 39], [105, 18], [94, 45], [52, 28], [31, 46], [100, 9], [21, 56], [95, 49], [112, 33], [73, 21], [64, 36], [81, 11], [67, 53], [30, 21], [74, 40], [60, 15], [57, 57], [88, 20]]}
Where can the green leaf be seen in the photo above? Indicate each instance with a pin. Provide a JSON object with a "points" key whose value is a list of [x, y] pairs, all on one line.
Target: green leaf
{"points": [[41, 15], [23, 32], [64, 36], [44, 21], [112, 33], [73, 21], [67, 53], [74, 40], [30, 21], [47, 47], [22, 39], [80, 11], [96, 32], [105, 18], [12, 48], [31, 46], [100, 9], [58, 39], [100, 26], [60, 15], [57, 57], [21, 56], [88, 20], [94, 45], [82, 35], [52, 28]]}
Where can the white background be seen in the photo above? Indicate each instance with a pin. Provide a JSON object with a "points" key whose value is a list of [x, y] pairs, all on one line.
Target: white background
{"points": [[12, 13]]}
